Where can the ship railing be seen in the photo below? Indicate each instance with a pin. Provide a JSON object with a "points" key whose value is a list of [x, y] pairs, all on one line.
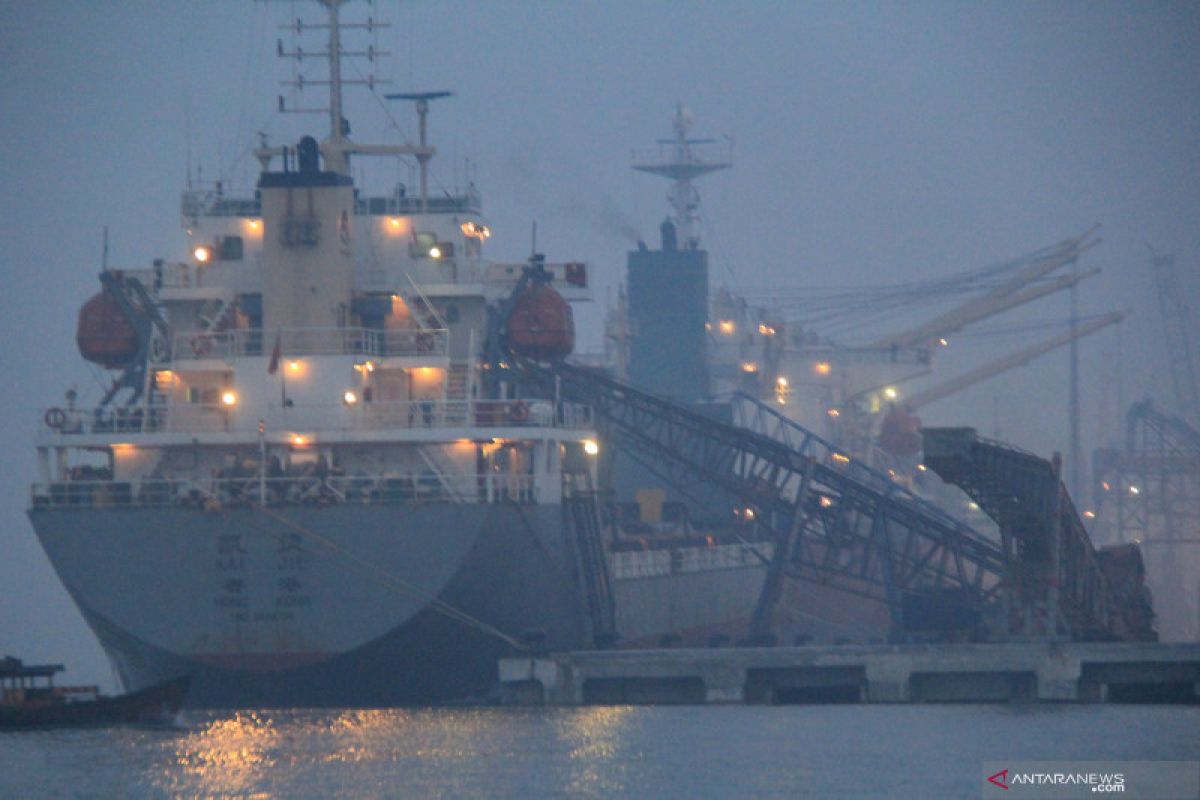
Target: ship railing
{"points": [[297, 342], [233, 276], [209, 203], [248, 491], [696, 558], [305, 419]]}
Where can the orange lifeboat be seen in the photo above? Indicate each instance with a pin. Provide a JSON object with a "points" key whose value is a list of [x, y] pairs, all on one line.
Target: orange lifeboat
{"points": [[104, 334], [541, 325]]}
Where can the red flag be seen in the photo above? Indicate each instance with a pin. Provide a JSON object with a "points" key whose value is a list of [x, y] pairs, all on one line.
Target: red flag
{"points": [[276, 354]]}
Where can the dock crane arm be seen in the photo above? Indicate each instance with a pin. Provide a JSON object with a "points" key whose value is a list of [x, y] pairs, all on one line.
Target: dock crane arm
{"points": [[1003, 297], [1001, 365]]}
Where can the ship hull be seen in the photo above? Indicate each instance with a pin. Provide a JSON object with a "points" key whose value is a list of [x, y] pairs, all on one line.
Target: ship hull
{"points": [[337, 605], [347, 605]]}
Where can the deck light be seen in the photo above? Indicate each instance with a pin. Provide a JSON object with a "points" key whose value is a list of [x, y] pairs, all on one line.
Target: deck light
{"points": [[229, 398], [349, 398], [202, 253], [591, 447]]}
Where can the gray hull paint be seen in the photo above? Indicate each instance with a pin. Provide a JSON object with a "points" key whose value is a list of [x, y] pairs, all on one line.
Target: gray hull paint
{"points": [[327, 605], [335, 605]]}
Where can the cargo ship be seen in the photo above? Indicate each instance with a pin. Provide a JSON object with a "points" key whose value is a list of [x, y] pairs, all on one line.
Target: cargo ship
{"points": [[315, 478]]}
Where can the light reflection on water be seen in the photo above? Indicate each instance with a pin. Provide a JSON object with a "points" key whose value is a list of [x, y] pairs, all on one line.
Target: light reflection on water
{"points": [[694, 752], [596, 736]]}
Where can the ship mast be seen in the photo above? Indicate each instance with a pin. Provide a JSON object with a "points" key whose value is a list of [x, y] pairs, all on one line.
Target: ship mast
{"points": [[335, 155], [337, 147], [682, 166]]}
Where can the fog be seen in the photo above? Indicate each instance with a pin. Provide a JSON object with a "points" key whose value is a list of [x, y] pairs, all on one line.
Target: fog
{"points": [[873, 142]]}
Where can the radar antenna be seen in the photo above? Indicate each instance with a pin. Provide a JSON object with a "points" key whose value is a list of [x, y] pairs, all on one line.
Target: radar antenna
{"points": [[683, 164], [425, 152]]}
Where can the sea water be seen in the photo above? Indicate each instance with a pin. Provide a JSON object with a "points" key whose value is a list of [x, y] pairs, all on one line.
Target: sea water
{"points": [[686, 752]]}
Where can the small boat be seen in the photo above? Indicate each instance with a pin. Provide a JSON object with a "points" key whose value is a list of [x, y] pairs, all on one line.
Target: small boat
{"points": [[29, 699]]}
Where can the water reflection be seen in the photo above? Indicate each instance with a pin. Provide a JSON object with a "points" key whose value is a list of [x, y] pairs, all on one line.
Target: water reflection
{"points": [[599, 757], [225, 756], [241, 754]]}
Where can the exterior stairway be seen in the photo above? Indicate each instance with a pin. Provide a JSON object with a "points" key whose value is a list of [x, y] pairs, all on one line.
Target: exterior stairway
{"points": [[587, 546]]}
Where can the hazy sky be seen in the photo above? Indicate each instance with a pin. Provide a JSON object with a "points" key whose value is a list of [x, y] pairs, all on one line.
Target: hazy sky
{"points": [[874, 142]]}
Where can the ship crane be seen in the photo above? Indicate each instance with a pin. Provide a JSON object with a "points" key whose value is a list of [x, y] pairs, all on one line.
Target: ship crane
{"points": [[1180, 338], [1016, 291], [1011, 361], [1152, 489]]}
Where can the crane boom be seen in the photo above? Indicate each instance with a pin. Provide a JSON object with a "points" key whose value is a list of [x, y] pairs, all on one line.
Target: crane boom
{"points": [[1017, 359], [1002, 297], [1180, 338]]}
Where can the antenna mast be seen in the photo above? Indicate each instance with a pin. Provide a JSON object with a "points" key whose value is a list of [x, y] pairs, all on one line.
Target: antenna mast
{"points": [[684, 164], [337, 146]]}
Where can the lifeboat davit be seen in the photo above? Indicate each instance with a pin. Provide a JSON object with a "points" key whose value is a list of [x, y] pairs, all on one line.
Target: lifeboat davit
{"points": [[104, 334], [541, 325], [900, 432]]}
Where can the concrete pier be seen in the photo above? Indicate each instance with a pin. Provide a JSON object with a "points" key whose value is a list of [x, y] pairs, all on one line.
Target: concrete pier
{"points": [[967, 673]]}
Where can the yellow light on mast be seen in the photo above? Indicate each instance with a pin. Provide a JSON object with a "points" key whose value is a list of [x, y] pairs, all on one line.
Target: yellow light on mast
{"points": [[822, 367], [727, 327]]}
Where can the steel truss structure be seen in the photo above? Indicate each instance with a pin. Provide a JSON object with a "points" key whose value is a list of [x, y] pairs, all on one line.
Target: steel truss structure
{"points": [[1154, 486], [1058, 587], [832, 520]]}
